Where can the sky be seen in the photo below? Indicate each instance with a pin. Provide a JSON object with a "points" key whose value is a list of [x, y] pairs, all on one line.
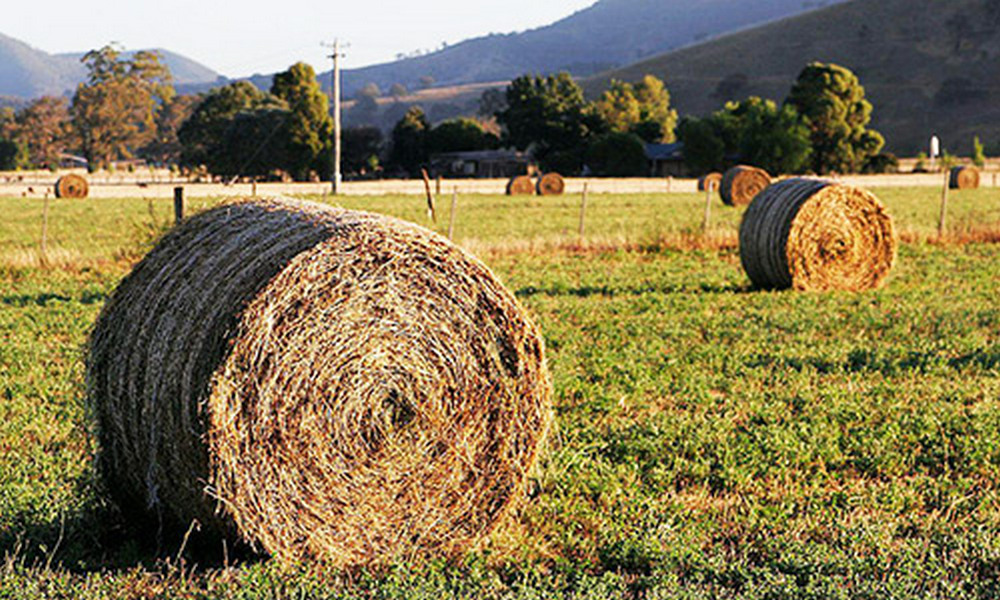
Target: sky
{"points": [[243, 37]]}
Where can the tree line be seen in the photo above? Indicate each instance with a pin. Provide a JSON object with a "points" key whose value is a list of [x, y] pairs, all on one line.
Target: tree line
{"points": [[127, 108]]}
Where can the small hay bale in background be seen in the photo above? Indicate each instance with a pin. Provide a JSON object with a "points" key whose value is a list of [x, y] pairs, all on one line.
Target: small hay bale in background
{"points": [[522, 185], [551, 184], [72, 186], [809, 234], [964, 177], [710, 181], [321, 382], [741, 184]]}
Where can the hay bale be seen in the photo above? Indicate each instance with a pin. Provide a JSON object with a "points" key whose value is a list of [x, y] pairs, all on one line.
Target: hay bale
{"points": [[712, 180], [964, 177], [741, 184], [809, 234], [551, 184], [520, 186], [319, 382], [72, 186]]}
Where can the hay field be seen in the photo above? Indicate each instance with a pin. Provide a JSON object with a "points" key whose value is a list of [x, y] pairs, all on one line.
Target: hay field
{"points": [[710, 441]]}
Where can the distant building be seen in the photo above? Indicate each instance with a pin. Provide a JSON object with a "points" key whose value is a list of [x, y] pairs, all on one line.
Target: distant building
{"points": [[666, 160], [482, 164]]}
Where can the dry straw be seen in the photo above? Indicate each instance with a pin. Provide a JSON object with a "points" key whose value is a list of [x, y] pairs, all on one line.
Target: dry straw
{"points": [[711, 181], [741, 184], [72, 186], [320, 382], [815, 235], [964, 177], [520, 186], [551, 184]]}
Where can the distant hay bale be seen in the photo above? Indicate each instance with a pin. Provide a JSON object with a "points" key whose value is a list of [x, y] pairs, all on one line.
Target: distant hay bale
{"points": [[964, 177], [711, 181], [551, 184], [808, 234], [741, 184], [72, 186], [319, 382], [522, 185]]}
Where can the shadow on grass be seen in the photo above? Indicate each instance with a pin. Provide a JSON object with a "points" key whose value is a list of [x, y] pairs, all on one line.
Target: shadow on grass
{"points": [[45, 299], [608, 291], [99, 537]]}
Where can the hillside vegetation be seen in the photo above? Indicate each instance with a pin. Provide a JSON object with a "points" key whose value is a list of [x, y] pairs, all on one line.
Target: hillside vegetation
{"points": [[929, 66]]}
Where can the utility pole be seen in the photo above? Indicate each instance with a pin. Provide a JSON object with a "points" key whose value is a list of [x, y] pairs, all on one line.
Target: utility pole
{"points": [[336, 56]]}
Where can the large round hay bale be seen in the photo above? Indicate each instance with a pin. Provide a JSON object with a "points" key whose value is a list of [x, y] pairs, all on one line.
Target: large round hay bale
{"points": [[741, 184], [964, 177], [808, 234], [72, 186], [522, 185], [320, 382], [551, 184], [712, 181]]}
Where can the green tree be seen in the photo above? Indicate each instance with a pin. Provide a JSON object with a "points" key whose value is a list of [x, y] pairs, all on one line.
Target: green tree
{"points": [[618, 154], [361, 149], [642, 109], [549, 116], [460, 135], [255, 143], [13, 155], [704, 146], [978, 152], [831, 102], [202, 134], [409, 141], [45, 129], [165, 149], [114, 110], [772, 138], [310, 127]]}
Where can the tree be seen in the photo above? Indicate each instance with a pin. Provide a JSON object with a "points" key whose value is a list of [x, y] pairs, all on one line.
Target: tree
{"points": [[704, 146], [831, 102], [398, 90], [13, 155], [409, 141], [642, 109], [978, 153], [491, 103], [114, 111], [618, 154], [202, 134], [459, 135], [166, 147], [310, 127], [45, 129], [361, 149], [255, 143], [773, 139], [549, 116]]}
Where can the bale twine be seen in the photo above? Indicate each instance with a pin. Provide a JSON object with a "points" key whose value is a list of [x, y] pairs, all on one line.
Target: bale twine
{"points": [[72, 186], [318, 382], [711, 181], [964, 177], [741, 184], [520, 186], [816, 235], [551, 184]]}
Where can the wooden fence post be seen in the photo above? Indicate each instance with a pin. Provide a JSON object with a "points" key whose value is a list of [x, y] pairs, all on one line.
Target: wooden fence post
{"points": [[709, 192], [583, 212], [178, 204], [45, 231], [944, 205], [451, 219]]}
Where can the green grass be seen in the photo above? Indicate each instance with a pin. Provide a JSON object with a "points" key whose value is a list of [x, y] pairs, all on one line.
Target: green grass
{"points": [[711, 441]]}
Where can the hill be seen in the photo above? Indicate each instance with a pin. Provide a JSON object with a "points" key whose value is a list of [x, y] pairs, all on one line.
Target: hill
{"points": [[27, 72], [603, 36], [929, 66]]}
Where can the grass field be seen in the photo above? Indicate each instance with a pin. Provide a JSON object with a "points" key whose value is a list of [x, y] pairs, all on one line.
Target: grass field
{"points": [[711, 441]]}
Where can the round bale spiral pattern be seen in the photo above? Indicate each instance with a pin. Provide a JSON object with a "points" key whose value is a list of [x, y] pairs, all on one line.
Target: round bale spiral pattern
{"points": [[319, 382], [522, 185], [551, 184], [71, 186], [814, 235], [741, 184], [964, 177], [712, 181]]}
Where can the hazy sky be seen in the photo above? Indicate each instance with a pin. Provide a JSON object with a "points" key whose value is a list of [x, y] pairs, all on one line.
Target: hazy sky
{"points": [[260, 36]]}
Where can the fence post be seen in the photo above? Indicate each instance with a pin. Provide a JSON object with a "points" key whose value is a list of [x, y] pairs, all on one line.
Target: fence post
{"points": [[709, 192], [178, 204], [451, 219], [583, 212], [944, 205], [45, 231]]}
